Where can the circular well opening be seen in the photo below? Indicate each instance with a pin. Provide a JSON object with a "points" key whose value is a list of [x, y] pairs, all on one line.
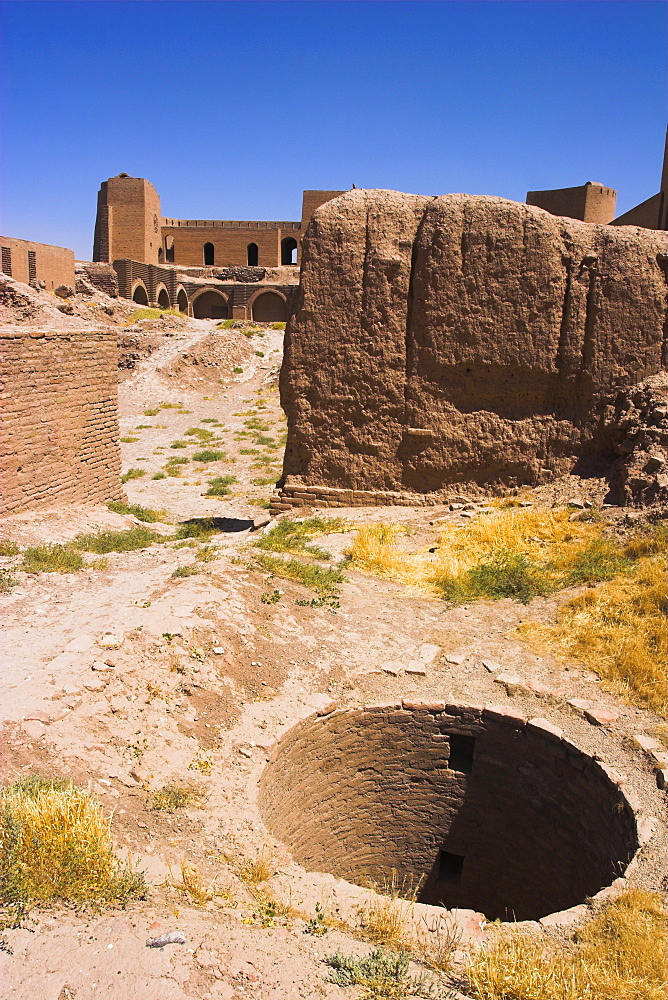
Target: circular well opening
{"points": [[477, 808]]}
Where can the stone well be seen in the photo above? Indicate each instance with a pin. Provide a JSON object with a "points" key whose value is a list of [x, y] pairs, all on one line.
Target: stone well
{"points": [[480, 808]]}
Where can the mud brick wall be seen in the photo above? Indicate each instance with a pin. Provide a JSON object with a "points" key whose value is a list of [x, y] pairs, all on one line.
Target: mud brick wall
{"points": [[60, 437], [539, 824], [26, 261]]}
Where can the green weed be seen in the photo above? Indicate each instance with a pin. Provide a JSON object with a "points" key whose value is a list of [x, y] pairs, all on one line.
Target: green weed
{"points": [[141, 513], [102, 542], [51, 559], [132, 474], [218, 487], [129, 440], [323, 581], [295, 536], [159, 475], [381, 974], [182, 571], [8, 548], [209, 455]]}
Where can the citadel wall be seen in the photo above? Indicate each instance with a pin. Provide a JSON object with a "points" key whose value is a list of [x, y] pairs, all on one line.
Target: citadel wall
{"points": [[37, 262], [60, 437], [590, 202]]}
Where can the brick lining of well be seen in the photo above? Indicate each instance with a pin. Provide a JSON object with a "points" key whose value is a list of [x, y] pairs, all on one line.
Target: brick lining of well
{"points": [[359, 792]]}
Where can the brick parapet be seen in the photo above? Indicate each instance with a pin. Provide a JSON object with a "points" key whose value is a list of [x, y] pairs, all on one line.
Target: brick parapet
{"points": [[294, 495], [60, 438]]}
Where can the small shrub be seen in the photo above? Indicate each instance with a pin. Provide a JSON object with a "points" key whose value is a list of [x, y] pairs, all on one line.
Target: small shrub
{"points": [[141, 513], [199, 432], [252, 871], [278, 326], [381, 974], [117, 541], [184, 571], [171, 797], [56, 847], [264, 481], [152, 412], [51, 559], [179, 444], [323, 581], [227, 324], [200, 527], [295, 536], [238, 371], [159, 475], [208, 455], [132, 474], [129, 440], [7, 581], [8, 548], [218, 487], [507, 574], [271, 597], [182, 460], [209, 420], [192, 887], [317, 925], [206, 553]]}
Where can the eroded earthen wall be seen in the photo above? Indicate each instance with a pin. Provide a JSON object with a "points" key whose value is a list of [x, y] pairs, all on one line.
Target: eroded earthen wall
{"points": [[60, 438], [462, 340]]}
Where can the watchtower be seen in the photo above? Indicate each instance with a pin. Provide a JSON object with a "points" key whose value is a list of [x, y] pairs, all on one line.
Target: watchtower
{"points": [[128, 222]]}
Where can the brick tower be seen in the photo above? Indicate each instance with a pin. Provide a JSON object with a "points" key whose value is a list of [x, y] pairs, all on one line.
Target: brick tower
{"points": [[128, 220]]}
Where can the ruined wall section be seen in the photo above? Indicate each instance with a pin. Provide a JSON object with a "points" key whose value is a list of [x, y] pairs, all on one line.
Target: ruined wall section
{"points": [[60, 438], [37, 264], [461, 340]]}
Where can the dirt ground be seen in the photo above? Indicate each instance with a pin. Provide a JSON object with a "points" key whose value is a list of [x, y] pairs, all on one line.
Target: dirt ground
{"points": [[210, 669]]}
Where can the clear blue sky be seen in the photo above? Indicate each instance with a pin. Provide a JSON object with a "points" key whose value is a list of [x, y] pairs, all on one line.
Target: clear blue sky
{"points": [[231, 109]]}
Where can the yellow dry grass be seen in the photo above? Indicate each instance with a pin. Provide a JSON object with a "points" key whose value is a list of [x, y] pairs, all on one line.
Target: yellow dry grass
{"points": [[619, 630], [540, 535], [619, 955], [56, 846]]}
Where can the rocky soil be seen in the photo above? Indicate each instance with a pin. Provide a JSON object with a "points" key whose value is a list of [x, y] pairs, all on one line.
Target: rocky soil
{"points": [[204, 672]]}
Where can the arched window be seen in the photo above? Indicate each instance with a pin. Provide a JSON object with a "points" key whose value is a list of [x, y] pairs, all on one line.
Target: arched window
{"points": [[139, 295], [252, 254], [182, 301], [160, 255], [163, 299], [209, 253], [289, 250], [169, 249], [269, 307]]}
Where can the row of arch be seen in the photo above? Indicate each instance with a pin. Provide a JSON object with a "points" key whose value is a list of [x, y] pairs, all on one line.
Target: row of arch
{"points": [[289, 248], [266, 306]]}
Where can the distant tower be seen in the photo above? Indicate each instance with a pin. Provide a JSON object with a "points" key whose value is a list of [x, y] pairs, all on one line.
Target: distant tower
{"points": [[590, 202], [128, 220]]}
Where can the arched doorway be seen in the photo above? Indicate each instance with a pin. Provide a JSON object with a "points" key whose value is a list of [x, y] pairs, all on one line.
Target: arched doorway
{"points": [[252, 255], [182, 301], [210, 305], [209, 254], [269, 307], [140, 295], [163, 299], [169, 249], [289, 250]]}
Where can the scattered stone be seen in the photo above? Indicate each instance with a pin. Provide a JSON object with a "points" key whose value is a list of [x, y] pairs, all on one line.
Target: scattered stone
{"points": [[97, 684], [394, 669], [546, 726], [80, 645], [662, 777], [525, 503], [578, 504], [646, 743], [428, 652], [245, 752], [174, 937], [454, 658], [466, 513], [541, 690], [513, 683], [492, 666], [219, 650], [581, 704], [416, 668], [601, 716], [64, 291], [109, 641], [46, 718], [34, 729], [456, 506], [327, 708], [102, 665]]}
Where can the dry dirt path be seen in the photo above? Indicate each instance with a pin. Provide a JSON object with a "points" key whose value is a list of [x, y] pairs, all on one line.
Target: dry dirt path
{"points": [[208, 675]]}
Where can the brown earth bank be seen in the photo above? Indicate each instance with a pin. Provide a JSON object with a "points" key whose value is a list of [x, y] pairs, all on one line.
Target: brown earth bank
{"points": [[473, 341], [209, 668]]}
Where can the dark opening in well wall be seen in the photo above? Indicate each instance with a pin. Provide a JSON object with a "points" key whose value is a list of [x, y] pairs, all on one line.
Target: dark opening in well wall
{"points": [[481, 810]]}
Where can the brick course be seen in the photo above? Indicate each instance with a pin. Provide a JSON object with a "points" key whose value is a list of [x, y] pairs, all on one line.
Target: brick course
{"points": [[60, 438], [360, 792]]}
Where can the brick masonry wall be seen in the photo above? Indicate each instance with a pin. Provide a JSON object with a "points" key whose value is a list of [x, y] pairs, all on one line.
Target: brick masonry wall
{"points": [[540, 825], [230, 244], [53, 265], [60, 437]]}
